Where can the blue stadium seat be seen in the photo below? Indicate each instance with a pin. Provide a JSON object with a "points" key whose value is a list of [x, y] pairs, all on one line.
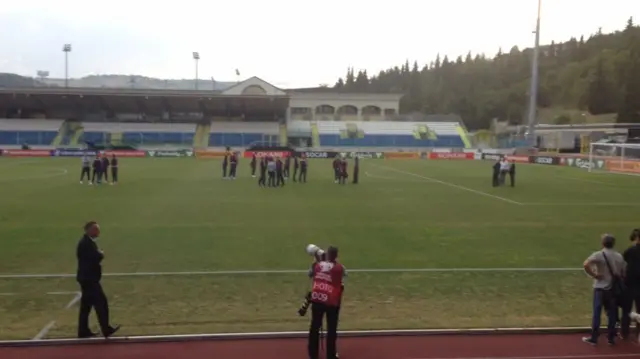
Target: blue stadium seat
{"points": [[390, 141], [42, 138]]}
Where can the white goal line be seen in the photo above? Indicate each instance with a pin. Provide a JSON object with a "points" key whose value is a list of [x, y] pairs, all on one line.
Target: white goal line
{"points": [[293, 271]]}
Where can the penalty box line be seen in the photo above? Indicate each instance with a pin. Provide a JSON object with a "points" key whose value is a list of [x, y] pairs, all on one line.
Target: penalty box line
{"points": [[453, 185], [47, 328], [293, 271]]}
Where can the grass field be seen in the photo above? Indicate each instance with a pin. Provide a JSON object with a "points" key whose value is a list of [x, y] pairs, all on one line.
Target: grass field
{"points": [[177, 215]]}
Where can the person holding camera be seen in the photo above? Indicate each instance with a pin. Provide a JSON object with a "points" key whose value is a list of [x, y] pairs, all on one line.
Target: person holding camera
{"points": [[326, 296]]}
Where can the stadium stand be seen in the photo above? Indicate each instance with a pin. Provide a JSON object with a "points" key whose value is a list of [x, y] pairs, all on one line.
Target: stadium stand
{"points": [[382, 133], [32, 132], [131, 133], [242, 134]]}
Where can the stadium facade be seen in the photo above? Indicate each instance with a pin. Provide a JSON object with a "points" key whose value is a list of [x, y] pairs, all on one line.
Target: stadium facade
{"points": [[245, 113]]}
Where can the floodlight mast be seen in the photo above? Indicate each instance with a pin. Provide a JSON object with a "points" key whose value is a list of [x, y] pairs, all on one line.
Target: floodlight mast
{"points": [[66, 49], [533, 92], [196, 58]]}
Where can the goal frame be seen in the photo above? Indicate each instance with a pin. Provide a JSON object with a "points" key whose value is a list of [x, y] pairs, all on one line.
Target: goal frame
{"points": [[623, 160]]}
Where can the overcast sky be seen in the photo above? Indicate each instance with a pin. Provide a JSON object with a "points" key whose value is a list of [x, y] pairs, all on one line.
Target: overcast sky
{"points": [[290, 43]]}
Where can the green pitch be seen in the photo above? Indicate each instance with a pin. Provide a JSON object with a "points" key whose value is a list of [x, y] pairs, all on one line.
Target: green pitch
{"points": [[178, 215]]}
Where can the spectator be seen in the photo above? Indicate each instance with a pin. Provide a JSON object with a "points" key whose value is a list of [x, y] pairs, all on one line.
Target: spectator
{"points": [[605, 267], [632, 282]]}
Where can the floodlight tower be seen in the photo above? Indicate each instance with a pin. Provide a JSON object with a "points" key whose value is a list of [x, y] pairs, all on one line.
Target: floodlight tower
{"points": [[66, 49], [533, 93], [196, 58]]}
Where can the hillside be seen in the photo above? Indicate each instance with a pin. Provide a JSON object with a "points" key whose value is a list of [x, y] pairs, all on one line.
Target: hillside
{"points": [[113, 81], [588, 77]]}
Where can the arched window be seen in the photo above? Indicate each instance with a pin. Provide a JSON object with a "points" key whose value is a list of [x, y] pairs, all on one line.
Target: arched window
{"points": [[325, 110], [371, 110], [348, 110], [254, 90]]}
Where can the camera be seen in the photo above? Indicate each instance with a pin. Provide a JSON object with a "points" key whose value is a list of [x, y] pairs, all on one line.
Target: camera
{"points": [[305, 305]]}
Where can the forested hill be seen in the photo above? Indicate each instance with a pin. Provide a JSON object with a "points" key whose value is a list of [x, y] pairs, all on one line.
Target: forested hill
{"points": [[599, 74]]}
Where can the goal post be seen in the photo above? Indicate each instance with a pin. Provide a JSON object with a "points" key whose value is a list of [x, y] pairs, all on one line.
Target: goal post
{"points": [[614, 157]]}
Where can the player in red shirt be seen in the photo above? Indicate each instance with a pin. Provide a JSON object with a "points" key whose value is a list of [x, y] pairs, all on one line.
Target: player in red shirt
{"points": [[326, 296], [343, 171]]}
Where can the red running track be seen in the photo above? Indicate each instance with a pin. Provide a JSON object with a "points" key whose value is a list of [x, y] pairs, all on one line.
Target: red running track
{"points": [[392, 347]]}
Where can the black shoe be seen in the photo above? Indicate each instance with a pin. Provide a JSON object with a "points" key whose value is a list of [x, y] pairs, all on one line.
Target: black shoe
{"points": [[588, 340], [111, 331], [87, 335]]}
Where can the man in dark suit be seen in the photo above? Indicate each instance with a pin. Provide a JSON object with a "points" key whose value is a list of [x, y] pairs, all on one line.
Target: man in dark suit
{"points": [[88, 276]]}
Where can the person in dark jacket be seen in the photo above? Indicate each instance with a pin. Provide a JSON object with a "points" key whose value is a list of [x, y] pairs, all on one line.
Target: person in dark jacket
{"points": [[632, 282], [96, 176], [303, 169], [105, 168], [262, 181], [287, 167], [496, 174], [512, 175], [225, 162], [356, 169], [88, 276], [253, 166], [296, 165], [279, 172], [114, 169]]}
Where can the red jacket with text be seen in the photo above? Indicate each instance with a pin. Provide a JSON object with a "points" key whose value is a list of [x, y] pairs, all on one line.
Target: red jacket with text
{"points": [[327, 283]]}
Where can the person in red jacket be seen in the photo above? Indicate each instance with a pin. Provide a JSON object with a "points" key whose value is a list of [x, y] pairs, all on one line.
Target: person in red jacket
{"points": [[326, 297]]}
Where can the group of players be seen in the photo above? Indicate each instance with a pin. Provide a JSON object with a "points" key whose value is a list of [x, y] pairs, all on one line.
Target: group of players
{"points": [[98, 170], [274, 171]]}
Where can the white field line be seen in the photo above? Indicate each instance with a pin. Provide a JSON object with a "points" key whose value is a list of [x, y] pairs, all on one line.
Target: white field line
{"points": [[291, 271], [585, 356], [61, 293], [44, 331], [453, 185], [7, 294]]}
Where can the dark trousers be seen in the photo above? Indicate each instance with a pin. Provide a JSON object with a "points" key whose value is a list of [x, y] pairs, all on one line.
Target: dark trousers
{"points": [[93, 297], [502, 177], [512, 179], [232, 170], [336, 175], [303, 176], [271, 182], [318, 311], [355, 175], [224, 170], [342, 179], [85, 171], [262, 179], [105, 174], [279, 178], [287, 171], [295, 174], [97, 176], [253, 169], [604, 299], [495, 180], [114, 174], [631, 300]]}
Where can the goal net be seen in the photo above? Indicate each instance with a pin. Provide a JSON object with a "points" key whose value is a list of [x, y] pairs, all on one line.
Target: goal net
{"points": [[614, 157]]}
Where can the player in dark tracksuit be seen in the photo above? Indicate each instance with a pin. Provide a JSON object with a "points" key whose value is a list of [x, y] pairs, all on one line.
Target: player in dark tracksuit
{"points": [[336, 170], [97, 171], [114, 169], [287, 167], [495, 178], [279, 172], [303, 169], [105, 168], [253, 165], [512, 174], [271, 172], [296, 165], [86, 169], [233, 165], [356, 169], [263, 172], [343, 171], [225, 163]]}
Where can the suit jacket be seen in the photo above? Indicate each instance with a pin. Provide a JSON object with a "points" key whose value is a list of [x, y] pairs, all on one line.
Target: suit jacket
{"points": [[89, 260]]}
